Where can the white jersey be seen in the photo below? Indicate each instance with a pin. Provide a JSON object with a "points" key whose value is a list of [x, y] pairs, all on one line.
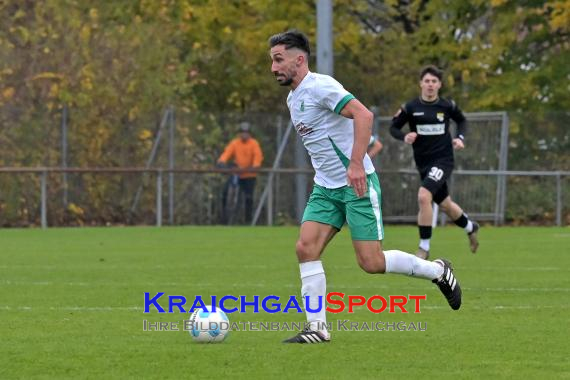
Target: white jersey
{"points": [[315, 107]]}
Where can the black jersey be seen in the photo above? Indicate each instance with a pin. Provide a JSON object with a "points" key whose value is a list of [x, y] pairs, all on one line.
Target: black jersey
{"points": [[431, 122]]}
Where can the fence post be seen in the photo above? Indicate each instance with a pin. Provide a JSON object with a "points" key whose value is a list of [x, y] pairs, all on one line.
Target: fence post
{"points": [[276, 163], [171, 166], [269, 204], [301, 180], [277, 179], [502, 180], [44, 199], [558, 200], [159, 198], [150, 160], [64, 153]]}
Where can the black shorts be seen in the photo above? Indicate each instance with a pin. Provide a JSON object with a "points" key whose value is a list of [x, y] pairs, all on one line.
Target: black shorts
{"points": [[434, 178]]}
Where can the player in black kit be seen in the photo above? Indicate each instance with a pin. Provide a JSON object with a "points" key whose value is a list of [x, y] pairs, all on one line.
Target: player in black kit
{"points": [[428, 117]]}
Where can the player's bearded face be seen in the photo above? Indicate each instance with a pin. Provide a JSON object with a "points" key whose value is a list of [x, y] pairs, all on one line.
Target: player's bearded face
{"points": [[285, 78], [283, 65]]}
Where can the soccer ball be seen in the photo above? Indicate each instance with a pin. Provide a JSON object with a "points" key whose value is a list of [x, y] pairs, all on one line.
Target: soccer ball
{"points": [[208, 326]]}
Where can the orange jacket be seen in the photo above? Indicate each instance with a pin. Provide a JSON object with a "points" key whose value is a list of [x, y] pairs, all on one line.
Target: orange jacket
{"points": [[245, 154]]}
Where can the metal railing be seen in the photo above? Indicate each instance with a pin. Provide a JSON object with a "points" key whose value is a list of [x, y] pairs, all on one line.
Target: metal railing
{"points": [[497, 216]]}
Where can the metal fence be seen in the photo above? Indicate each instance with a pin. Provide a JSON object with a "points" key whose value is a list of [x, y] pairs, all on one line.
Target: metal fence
{"points": [[196, 198], [55, 190], [486, 150]]}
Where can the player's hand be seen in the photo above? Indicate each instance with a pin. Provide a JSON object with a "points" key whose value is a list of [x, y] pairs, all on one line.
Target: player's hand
{"points": [[457, 144], [410, 137], [356, 178]]}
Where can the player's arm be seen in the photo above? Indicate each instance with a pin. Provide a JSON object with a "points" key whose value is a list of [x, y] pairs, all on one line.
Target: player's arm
{"points": [[457, 116], [398, 121], [363, 119], [375, 148]]}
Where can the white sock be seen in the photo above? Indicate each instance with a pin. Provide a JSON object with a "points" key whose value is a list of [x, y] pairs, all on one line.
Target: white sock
{"points": [[424, 244], [410, 265], [469, 227], [314, 285]]}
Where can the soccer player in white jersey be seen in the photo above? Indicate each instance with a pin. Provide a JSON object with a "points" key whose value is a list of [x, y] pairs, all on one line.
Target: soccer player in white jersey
{"points": [[335, 128]]}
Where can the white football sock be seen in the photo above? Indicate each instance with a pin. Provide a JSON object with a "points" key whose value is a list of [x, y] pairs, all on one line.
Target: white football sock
{"points": [[469, 227], [410, 265], [314, 285], [424, 244]]}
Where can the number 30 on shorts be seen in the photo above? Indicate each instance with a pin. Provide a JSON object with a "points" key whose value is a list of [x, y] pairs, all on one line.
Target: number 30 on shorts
{"points": [[435, 173]]}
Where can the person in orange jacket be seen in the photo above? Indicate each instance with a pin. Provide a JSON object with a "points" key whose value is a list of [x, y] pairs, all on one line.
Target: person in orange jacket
{"points": [[246, 153]]}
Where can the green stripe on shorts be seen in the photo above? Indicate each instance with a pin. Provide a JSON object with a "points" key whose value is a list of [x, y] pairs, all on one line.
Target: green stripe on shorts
{"points": [[337, 206], [364, 215]]}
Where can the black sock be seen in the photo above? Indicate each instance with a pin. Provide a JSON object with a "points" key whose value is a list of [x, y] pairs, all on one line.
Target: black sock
{"points": [[462, 221], [425, 232]]}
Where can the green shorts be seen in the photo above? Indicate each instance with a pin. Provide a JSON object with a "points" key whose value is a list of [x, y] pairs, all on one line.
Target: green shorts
{"points": [[335, 206]]}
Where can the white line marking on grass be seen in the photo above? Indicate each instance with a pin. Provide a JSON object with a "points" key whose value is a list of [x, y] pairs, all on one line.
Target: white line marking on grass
{"points": [[73, 308], [523, 269], [343, 287], [48, 283], [521, 289], [140, 309], [505, 307], [95, 266]]}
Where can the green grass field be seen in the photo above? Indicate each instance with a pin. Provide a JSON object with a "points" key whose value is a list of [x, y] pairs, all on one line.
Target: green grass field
{"points": [[71, 305]]}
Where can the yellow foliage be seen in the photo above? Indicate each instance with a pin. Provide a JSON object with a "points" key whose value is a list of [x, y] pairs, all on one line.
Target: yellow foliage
{"points": [[86, 71], [53, 90], [75, 209], [47, 75], [24, 33], [234, 98], [85, 33], [132, 86], [93, 14], [498, 3], [8, 93], [133, 113], [187, 12], [560, 16], [19, 14], [86, 84], [145, 134]]}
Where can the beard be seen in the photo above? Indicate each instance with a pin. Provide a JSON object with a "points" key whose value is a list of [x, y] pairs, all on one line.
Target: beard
{"points": [[286, 79], [286, 82]]}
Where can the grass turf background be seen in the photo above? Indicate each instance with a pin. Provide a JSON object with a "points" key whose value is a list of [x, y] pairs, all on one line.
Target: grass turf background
{"points": [[71, 305]]}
